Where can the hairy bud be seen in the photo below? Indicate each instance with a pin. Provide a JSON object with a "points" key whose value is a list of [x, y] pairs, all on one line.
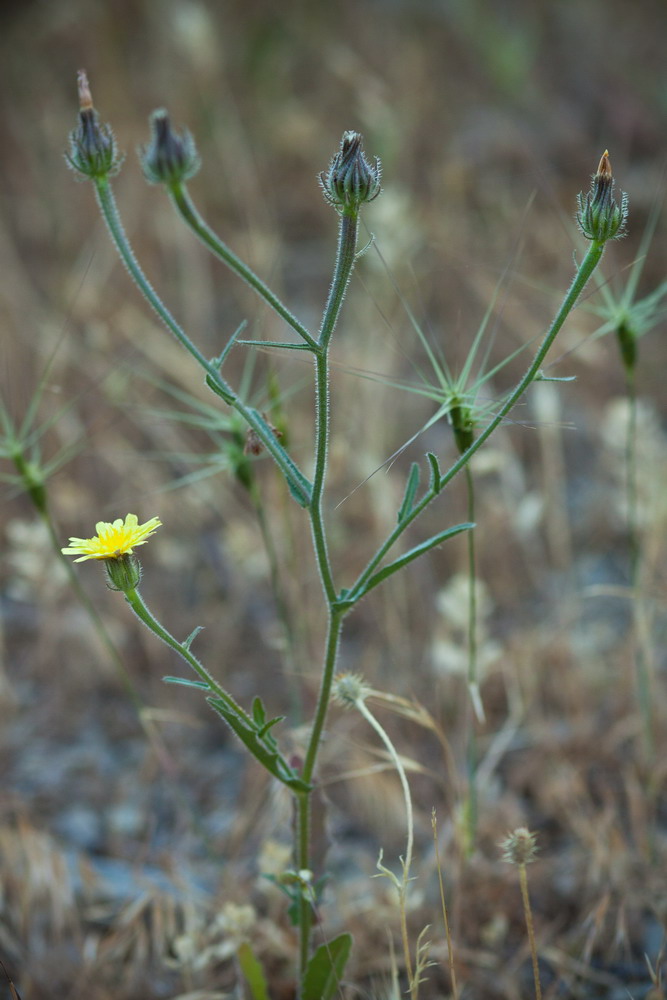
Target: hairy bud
{"points": [[92, 147], [600, 217], [170, 157], [350, 180]]}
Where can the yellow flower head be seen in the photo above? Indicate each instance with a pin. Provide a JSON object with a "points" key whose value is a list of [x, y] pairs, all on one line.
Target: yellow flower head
{"points": [[112, 540]]}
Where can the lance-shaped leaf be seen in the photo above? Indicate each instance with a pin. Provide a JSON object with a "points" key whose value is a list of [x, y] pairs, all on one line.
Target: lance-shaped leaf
{"points": [[256, 736], [410, 491], [408, 557]]}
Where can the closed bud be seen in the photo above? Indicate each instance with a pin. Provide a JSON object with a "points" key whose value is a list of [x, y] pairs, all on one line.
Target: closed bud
{"points": [[123, 572], [170, 157], [93, 152], [600, 216], [350, 180]]}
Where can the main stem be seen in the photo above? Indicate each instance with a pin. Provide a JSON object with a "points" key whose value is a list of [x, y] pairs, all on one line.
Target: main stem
{"points": [[345, 257]]}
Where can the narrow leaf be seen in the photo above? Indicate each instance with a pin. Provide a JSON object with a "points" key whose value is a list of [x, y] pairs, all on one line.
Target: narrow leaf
{"points": [[220, 360], [220, 390], [193, 635], [410, 491], [435, 472], [415, 553], [325, 969], [262, 746], [186, 682], [276, 343], [252, 969]]}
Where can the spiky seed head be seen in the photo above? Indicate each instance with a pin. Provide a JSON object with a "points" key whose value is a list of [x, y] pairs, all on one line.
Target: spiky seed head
{"points": [[349, 689], [519, 847]]}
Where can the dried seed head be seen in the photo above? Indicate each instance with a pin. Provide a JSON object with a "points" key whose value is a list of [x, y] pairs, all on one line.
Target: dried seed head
{"points": [[170, 157], [349, 689], [519, 847], [350, 180], [600, 217]]}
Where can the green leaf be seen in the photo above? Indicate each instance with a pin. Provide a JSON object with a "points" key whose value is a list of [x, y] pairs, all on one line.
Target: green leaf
{"points": [[325, 969], [414, 553], [260, 743], [221, 389], [435, 472], [276, 343], [219, 361], [252, 969], [410, 491], [193, 635], [186, 682]]}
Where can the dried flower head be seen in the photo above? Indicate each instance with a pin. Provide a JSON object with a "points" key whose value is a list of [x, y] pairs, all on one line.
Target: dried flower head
{"points": [[600, 217], [93, 152], [350, 179], [349, 689], [519, 847]]}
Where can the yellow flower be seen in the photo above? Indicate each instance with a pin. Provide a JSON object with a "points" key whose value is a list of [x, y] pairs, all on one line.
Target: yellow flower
{"points": [[112, 540]]}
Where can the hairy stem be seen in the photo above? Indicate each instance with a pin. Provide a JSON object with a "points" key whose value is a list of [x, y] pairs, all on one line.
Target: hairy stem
{"points": [[186, 209]]}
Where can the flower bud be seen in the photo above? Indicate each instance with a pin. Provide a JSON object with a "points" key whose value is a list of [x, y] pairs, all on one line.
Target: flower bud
{"points": [[350, 179], [600, 217], [123, 572], [92, 147], [169, 158]]}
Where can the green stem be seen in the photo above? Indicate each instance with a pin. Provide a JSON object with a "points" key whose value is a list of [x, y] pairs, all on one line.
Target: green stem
{"points": [[588, 265], [323, 410], [134, 599], [473, 682], [303, 821], [112, 218], [183, 203]]}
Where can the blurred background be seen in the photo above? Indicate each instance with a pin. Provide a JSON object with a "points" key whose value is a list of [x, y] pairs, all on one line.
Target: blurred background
{"points": [[134, 835]]}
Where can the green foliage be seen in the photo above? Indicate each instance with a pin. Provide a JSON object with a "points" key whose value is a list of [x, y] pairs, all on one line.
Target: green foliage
{"points": [[325, 969]]}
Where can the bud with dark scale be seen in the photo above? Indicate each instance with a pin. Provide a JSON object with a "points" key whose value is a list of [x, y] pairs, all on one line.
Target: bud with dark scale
{"points": [[600, 217], [92, 147], [170, 157], [350, 180]]}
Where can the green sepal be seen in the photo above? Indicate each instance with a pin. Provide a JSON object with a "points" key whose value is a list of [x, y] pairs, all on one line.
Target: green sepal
{"points": [[253, 972], [325, 969], [255, 735], [410, 492], [434, 484], [186, 682]]}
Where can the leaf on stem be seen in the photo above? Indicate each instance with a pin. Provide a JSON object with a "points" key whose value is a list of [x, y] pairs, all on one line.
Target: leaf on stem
{"points": [[255, 735], [410, 491], [415, 553], [434, 484], [186, 682], [325, 969], [253, 972]]}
